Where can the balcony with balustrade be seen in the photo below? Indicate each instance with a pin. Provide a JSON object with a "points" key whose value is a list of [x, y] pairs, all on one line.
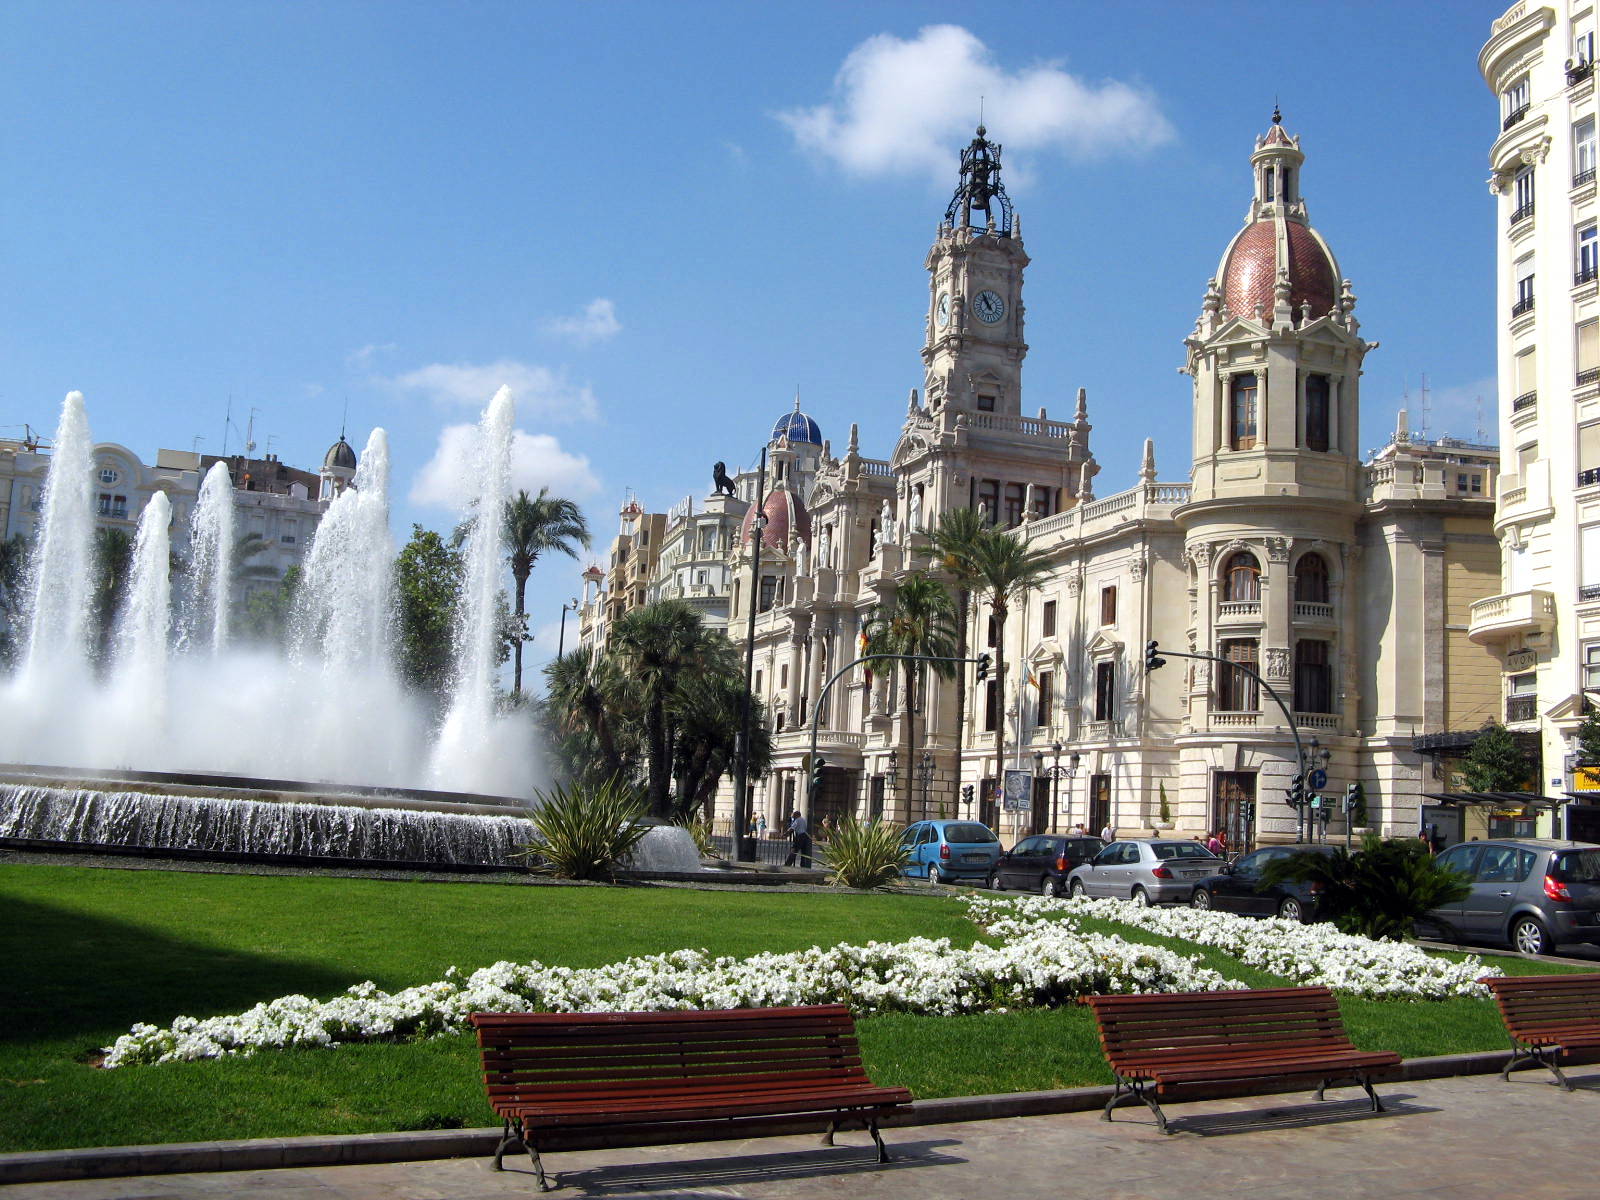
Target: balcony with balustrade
{"points": [[1512, 614]]}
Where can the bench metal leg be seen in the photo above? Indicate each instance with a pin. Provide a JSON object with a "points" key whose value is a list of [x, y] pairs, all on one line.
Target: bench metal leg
{"points": [[509, 1137], [1363, 1081], [1136, 1089], [868, 1122], [1545, 1056], [827, 1138], [872, 1127]]}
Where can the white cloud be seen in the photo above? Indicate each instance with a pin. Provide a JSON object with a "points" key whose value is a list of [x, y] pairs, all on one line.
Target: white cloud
{"points": [[904, 105], [596, 323], [539, 391], [537, 460], [363, 358]]}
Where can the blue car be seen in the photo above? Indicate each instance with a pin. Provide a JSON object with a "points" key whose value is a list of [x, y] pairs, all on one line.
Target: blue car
{"points": [[945, 851]]}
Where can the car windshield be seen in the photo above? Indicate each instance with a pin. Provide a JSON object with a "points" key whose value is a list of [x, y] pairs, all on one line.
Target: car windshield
{"points": [[1576, 866], [967, 832], [1181, 850]]}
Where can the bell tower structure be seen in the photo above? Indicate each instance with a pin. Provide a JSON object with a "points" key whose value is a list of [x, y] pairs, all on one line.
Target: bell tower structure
{"points": [[972, 354]]}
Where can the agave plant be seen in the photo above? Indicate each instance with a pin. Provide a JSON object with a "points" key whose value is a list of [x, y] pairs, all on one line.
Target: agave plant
{"points": [[1380, 890], [864, 855], [584, 832]]}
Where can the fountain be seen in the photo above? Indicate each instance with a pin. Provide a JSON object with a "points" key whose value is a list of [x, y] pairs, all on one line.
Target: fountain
{"points": [[185, 738]]}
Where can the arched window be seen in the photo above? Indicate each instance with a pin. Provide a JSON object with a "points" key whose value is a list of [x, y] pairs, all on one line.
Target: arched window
{"points": [[1316, 412], [1242, 412], [1311, 580], [1241, 579]]}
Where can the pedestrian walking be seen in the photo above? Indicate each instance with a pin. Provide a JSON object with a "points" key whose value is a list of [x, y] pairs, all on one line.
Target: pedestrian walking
{"points": [[1217, 844], [1109, 833], [761, 825], [799, 841]]}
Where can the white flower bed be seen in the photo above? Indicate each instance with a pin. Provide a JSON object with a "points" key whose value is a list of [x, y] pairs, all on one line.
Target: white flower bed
{"points": [[1310, 954], [1045, 963]]}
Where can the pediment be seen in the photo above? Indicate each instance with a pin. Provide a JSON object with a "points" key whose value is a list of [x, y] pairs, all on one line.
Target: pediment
{"points": [[1103, 643], [1045, 653]]}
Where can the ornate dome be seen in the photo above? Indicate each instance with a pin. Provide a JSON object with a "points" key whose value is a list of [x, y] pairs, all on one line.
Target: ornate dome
{"points": [[1277, 241], [784, 512], [340, 455], [1250, 268], [797, 427]]}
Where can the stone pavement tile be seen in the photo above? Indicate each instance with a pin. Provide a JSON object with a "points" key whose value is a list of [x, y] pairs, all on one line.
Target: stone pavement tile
{"points": [[1453, 1139]]}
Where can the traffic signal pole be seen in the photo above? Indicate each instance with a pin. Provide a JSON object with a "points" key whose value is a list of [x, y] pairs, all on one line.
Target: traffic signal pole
{"points": [[814, 783], [1154, 660]]}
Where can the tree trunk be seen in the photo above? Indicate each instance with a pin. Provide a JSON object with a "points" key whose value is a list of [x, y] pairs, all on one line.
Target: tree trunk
{"points": [[911, 737], [516, 675], [998, 608], [656, 747]]}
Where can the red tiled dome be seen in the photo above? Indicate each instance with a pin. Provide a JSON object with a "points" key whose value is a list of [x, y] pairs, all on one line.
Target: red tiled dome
{"points": [[1250, 267], [784, 512]]}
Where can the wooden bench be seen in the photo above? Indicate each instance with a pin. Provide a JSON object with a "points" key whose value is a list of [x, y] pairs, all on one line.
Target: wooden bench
{"points": [[1548, 1017], [1160, 1044], [549, 1072]]}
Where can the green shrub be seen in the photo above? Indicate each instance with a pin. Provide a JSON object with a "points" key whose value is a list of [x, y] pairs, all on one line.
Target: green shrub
{"points": [[1380, 890], [584, 832], [864, 855], [700, 830]]}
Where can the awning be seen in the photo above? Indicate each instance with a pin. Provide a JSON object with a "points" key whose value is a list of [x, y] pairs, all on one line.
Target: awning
{"points": [[1459, 741], [1498, 799]]}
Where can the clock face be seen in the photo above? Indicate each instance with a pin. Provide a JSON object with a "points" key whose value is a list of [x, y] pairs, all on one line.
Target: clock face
{"points": [[944, 308], [989, 307]]}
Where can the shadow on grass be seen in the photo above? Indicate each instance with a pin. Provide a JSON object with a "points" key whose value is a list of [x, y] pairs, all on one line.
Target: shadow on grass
{"points": [[68, 974]]}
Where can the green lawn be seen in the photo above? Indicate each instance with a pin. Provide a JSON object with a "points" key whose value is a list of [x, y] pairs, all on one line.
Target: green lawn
{"points": [[88, 952]]}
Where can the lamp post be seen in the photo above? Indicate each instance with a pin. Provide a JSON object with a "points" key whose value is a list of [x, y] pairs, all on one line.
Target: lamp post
{"points": [[925, 770], [744, 846], [1320, 754], [1056, 773], [561, 641], [894, 782]]}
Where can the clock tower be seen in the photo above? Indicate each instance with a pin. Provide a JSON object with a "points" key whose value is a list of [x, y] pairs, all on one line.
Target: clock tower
{"points": [[973, 352]]}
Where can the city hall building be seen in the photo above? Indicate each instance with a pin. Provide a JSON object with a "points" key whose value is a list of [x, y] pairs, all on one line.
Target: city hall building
{"points": [[1345, 584]]}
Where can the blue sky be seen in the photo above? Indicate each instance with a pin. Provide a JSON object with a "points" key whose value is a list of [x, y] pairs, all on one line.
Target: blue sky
{"points": [[656, 221]]}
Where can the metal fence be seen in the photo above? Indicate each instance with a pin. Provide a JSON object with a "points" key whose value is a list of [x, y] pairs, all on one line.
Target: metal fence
{"points": [[768, 850]]}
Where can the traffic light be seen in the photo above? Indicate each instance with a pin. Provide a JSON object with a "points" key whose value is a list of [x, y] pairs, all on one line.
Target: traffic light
{"points": [[1353, 796], [817, 765], [1297, 792], [1152, 660], [983, 667]]}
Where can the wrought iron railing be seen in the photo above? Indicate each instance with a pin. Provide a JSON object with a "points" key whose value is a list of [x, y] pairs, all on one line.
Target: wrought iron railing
{"points": [[1585, 378], [1583, 177], [1514, 116], [1526, 400], [1521, 708], [1522, 213], [1525, 305]]}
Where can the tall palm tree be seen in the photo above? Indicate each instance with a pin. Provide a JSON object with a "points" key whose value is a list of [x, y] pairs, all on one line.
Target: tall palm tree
{"points": [[919, 620], [661, 646], [1000, 567], [588, 701], [952, 540], [534, 524]]}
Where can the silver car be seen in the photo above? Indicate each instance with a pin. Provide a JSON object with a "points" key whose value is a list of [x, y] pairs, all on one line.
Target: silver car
{"points": [[1145, 870]]}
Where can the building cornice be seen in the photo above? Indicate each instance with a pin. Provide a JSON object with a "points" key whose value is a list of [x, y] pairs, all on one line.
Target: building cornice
{"points": [[1521, 22]]}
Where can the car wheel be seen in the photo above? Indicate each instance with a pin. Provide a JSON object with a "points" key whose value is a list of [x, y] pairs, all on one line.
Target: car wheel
{"points": [[1076, 889], [935, 875], [1141, 897], [1528, 936], [1201, 899], [1290, 910], [996, 882], [1047, 886]]}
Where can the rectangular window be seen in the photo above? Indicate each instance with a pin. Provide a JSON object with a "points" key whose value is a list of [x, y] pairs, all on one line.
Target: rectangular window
{"points": [[1524, 300], [985, 403], [1047, 696], [1524, 685], [1105, 691], [992, 631], [769, 592], [1589, 561], [1108, 605], [783, 676], [1525, 379], [1041, 501], [1522, 194], [1588, 340], [1047, 622], [990, 704], [1588, 264], [1515, 102], [1589, 447], [1582, 42], [1242, 412], [1313, 690], [1237, 691], [105, 504], [1014, 496], [989, 499], [758, 681], [1583, 156], [1591, 666], [1317, 412]]}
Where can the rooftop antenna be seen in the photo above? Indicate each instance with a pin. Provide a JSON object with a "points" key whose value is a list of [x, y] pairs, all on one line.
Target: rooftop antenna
{"points": [[1427, 409], [1479, 401], [227, 421], [198, 438], [344, 418], [250, 433], [980, 110]]}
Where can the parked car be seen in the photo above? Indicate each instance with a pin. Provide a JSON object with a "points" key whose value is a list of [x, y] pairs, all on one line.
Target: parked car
{"points": [[1534, 893], [1042, 863], [944, 851], [1145, 870], [1239, 888]]}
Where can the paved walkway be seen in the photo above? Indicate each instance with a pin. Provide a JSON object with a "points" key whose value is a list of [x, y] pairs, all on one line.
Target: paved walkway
{"points": [[1460, 1138]]}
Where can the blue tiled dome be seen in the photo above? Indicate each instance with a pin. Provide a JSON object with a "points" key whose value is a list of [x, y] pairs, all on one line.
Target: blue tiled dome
{"points": [[797, 427]]}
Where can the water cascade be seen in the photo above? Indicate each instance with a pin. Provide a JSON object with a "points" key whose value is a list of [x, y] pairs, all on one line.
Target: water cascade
{"points": [[205, 615], [62, 575]]}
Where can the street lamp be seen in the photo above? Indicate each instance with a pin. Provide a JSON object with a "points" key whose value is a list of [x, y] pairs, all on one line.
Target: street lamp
{"points": [[1056, 773], [744, 845], [926, 772], [561, 641]]}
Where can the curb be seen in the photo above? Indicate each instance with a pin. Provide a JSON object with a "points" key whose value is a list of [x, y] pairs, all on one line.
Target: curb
{"points": [[268, 1154]]}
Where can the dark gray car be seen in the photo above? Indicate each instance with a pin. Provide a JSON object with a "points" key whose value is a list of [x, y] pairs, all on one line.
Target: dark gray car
{"points": [[1534, 893]]}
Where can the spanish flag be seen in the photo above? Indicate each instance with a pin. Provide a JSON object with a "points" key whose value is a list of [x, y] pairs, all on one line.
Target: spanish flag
{"points": [[861, 652]]}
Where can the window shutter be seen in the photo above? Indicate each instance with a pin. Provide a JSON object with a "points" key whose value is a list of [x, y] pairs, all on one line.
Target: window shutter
{"points": [[1527, 373], [1588, 345], [1589, 551], [1588, 447]]}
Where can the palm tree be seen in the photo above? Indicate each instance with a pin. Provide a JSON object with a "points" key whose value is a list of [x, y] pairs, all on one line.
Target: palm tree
{"points": [[588, 700], [113, 563], [706, 714], [532, 526], [920, 620], [952, 538], [1000, 567], [661, 646]]}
